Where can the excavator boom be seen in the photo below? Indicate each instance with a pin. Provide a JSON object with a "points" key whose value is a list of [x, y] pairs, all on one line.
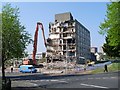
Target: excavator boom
{"points": [[36, 39]]}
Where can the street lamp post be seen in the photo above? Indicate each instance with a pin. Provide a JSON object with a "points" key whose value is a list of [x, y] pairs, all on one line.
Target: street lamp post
{"points": [[66, 57]]}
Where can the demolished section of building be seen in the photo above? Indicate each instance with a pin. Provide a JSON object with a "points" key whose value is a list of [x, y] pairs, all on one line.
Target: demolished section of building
{"points": [[68, 40]]}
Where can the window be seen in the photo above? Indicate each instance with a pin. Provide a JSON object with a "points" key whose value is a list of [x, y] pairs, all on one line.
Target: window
{"points": [[30, 67], [60, 35], [64, 35], [64, 41], [60, 29], [54, 29], [72, 30], [72, 53], [64, 29], [64, 47], [55, 20], [60, 41]]}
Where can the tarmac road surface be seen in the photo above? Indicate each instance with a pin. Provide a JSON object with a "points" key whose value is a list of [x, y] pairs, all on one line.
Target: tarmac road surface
{"points": [[37, 80]]}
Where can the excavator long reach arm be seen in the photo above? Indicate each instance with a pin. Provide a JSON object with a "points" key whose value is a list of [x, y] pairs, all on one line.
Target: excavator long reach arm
{"points": [[36, 39]]}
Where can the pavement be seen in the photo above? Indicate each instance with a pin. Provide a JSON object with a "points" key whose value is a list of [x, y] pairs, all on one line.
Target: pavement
{"points": [[27, 88]]}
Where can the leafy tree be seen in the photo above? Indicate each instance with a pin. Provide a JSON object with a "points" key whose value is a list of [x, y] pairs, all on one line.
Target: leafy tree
{"points": [[111, 51], [111, 27], [14, 37]]}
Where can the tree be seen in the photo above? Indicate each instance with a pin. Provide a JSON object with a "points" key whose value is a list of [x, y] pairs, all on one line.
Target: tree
{"points": [[14, 37], [0, 39], [111, 27], [111, 51]]}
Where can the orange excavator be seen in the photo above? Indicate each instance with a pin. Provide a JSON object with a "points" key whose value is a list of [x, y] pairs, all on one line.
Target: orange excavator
{"points": [[33, 61]]}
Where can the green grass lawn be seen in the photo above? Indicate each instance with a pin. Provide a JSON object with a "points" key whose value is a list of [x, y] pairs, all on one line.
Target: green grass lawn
{"points": [[114, 67], [111, 68]]}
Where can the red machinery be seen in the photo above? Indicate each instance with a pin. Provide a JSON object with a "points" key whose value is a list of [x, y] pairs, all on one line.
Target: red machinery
{"points": [[33, 60], [35, 40]]}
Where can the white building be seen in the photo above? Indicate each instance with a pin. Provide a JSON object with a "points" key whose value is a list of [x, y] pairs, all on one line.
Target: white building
{"points": [[38, 55], [99, 56]]}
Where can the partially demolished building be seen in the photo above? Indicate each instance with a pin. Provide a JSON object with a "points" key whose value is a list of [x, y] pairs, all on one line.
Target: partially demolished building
{"points": [[68, 39]]}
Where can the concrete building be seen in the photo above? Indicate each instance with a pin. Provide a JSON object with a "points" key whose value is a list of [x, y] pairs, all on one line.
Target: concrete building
{"points": [[101, 49], [99, 56], [68, 39]]}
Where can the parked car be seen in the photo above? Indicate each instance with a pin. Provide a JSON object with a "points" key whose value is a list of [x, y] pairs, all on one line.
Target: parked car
{"points": [[27, 69]]}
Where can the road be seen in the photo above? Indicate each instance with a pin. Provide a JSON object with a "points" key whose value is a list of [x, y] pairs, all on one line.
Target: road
{"points": [[104, 80]]}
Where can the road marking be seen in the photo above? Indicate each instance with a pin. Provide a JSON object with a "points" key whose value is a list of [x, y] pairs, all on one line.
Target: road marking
{"points": [[92, 85], [97, 78], [54, 80], [35, 84], [90, 78], [106, 77], [58, 81], [45, 80], [113, 77], [68, 79]]}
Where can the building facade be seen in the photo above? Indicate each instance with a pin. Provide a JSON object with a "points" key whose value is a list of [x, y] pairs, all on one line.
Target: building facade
{"points": [[68, 39]]}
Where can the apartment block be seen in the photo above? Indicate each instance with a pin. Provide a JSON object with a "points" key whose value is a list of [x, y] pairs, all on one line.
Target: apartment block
{"points": [[68, 40]]}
